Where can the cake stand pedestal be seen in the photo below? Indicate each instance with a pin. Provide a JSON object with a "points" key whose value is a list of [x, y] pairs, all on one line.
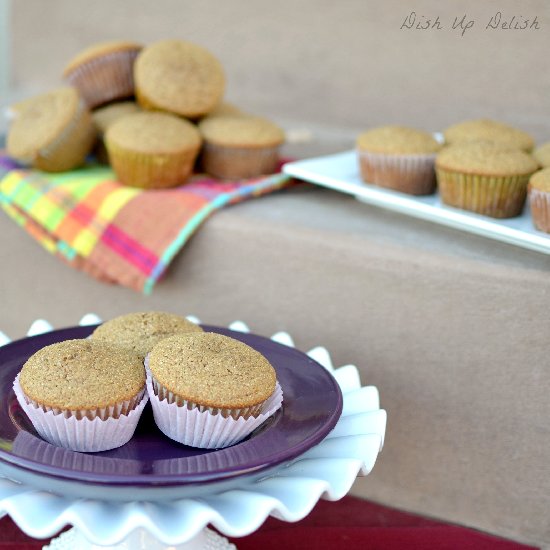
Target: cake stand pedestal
{"points": [[326, 471]]}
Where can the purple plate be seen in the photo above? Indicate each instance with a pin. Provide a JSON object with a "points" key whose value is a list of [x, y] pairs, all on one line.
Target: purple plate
{"points": [[311, 407]]}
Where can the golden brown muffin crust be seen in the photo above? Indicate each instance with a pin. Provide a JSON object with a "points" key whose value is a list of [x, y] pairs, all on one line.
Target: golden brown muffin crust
{"points": [[178, 76], [485, 158], [241, 131], [398, 140], [82, 374], [140, 332], [149, 132], [488, 130], [542, 155], [212, 370], [104, 117], [97, 50]]}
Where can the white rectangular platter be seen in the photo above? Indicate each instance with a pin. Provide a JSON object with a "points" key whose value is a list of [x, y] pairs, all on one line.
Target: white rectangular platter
{"points": [[341, 173]]}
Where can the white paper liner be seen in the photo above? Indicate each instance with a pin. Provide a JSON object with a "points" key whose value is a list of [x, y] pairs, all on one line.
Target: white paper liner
{"points": [[83, 435], [203, 429]]}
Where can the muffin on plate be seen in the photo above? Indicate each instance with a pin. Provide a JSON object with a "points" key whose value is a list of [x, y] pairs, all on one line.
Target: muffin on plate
{"points": [[52, 132], [484, 129], [484, 177], [152, 150], [140, 332], [398, 158], [539, 199], [240, 146], [210, 390], [104, 72], [179, 77], [542, 155], [83, 395], [103, 117]]}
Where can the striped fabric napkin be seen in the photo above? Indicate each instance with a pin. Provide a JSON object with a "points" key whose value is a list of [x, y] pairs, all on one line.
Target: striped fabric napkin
{"points": [[115, 233]]}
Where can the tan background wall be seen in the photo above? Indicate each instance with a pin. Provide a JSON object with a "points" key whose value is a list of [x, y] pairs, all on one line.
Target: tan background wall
{"points": [[334, 64]]}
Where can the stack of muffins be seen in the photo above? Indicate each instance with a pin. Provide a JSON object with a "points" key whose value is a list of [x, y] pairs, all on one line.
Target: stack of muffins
{"points": [[481, 165], [207, 390], [150, 111]]}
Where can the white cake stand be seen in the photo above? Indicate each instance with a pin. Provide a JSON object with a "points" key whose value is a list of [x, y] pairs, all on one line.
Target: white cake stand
{"points": [[326, 471]]}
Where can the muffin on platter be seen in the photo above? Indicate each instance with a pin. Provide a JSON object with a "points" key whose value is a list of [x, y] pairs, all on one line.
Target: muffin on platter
{"points": [[83, 395], [398, 158], [539, 199], [140, 332], [484, 177], [209, 390]]}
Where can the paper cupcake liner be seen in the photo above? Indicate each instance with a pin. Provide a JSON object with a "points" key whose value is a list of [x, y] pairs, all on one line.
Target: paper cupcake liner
{"points": [[151, 170], [539, 202], [84, 431], [105, 78], [69, 149], [494, 196], [239, 162], [411, 174], [190, 425]]}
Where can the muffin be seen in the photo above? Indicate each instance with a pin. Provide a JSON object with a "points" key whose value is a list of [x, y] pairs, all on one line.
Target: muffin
{"points": [[539, 199], [140, 332], [484, 177], [180, 77], [82, 394], [210, 390], [103, 117], [398, 158], [240, 146], [542, 155], [152, 150], [52, 132], [484, 129], [226, 109], [104, 72]]}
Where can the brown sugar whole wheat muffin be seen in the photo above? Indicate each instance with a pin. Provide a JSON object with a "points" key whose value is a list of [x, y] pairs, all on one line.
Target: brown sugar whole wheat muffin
{"points": [[140, 332], [104, 72], [179, 77], [484, 177], [240, 146], [485, 129], [82, 394], [52, 132], [539, 199], [152, 150], [398, 158]]}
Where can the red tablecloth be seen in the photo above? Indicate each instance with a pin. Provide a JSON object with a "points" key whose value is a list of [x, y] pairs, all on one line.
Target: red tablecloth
{"points": [[351, 524]]}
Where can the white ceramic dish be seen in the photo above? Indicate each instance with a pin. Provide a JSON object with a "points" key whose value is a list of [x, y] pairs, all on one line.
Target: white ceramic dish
{"points": [[341, 173]]}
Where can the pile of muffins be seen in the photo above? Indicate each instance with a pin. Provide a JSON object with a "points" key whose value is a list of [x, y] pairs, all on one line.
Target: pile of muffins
{"points": [[207, 390], [148, 111], [483, 166]]}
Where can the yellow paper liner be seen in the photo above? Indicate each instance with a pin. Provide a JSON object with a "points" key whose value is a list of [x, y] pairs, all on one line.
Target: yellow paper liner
{"points": [[411, 174], [494, 196]]}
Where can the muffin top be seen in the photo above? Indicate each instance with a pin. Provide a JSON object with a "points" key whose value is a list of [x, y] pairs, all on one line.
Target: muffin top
{"points": [[488, 130], [140, 332], [105, 116], [398, 140], [82, 374], [40, 122], [179, 76], [97, 50], [225, 109], [150, 132], [486, 158], [542, 154], [241, 131], [212, 370], [541, 180]]}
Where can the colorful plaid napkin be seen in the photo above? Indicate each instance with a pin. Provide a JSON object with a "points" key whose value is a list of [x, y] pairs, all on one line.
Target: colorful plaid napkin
{"points": [[115, 233]]}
